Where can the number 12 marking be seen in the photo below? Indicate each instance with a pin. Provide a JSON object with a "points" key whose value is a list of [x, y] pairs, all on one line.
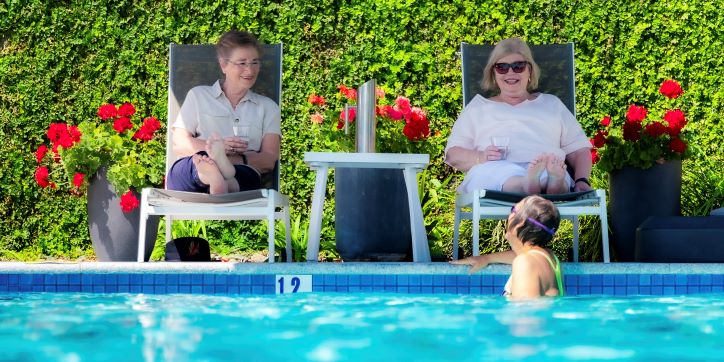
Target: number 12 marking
{"points": [[293, 284]]}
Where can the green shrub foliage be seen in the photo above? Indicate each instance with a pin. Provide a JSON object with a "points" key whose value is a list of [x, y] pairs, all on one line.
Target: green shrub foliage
{"points": [[61, 59]]}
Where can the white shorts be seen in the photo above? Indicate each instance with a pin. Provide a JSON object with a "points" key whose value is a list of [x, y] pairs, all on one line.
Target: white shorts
{"points": [[492, 175]]}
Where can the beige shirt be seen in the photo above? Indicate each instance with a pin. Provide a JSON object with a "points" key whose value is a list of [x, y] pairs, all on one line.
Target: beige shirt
{"points": [[541, 125], [206, 110]]}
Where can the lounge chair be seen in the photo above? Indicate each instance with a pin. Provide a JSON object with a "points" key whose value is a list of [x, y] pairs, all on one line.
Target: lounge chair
{"points": [[557, 77], [189, 66]]}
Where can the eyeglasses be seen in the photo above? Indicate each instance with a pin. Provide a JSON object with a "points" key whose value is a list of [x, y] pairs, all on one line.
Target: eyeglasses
{"points": [[536, 223], [518, 67], [254, 64]]}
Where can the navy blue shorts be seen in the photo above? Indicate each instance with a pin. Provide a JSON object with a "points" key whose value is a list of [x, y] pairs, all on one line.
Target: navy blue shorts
{"points": [[183, 176]]}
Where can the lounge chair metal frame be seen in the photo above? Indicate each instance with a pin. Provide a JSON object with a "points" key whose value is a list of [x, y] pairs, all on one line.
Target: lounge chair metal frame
{"points": [[196, 64], [557, 77]]}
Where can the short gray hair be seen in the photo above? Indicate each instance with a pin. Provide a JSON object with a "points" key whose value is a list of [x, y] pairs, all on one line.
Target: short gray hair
{"points": [[234, 39]]}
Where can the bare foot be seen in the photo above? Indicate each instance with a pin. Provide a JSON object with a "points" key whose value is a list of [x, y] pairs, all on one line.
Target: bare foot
{"points": [[215, 149], [531, 182], [556, 168], [209, 174]]}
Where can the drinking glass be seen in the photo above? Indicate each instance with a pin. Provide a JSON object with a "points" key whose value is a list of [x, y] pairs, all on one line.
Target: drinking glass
{"points": [[242, 132], [501, 143]]}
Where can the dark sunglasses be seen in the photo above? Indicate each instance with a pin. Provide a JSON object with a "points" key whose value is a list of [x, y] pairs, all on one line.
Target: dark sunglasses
{"points": [[518, 67], [536, 223]]}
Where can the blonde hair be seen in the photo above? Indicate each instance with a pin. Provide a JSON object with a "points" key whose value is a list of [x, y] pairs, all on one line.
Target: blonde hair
{"points": [[504, 48]]}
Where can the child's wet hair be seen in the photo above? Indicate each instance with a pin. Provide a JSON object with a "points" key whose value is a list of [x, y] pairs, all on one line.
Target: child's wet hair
{"points": [[538, 219]]}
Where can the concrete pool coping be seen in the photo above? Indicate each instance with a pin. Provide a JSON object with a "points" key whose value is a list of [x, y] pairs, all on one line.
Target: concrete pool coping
{"points": [[387, 268]]}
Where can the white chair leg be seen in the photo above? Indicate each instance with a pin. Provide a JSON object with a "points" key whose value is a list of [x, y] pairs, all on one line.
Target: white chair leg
{"points": [[476, 223], [456, 231], [288, 236], [169, 224], [270, 216], [576, 225]]}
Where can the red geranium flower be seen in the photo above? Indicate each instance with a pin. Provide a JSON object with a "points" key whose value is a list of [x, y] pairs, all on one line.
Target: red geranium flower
{"points": [[61, 134], [126, 110], [391, 113], [415, 131], [148, 129], [349, 93], [41, 176], [316, 100], [74, 133], [417, 115], [594, 156], [122, 124], [78, 179], [636, 113], [606, 121], [599, 140], [632, 131], [655, 129], [129, 201], [676, 121], [677, 145], [55, 131], [107, 111], [40, 153], [403, 102], [671, 89], [351, 114]]}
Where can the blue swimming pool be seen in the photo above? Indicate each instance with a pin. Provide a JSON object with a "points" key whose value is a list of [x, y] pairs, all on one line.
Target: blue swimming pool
{"points": [[358, 327]]}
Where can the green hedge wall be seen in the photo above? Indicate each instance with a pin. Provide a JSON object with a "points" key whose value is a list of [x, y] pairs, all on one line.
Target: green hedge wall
{"points": [[61, 59]]}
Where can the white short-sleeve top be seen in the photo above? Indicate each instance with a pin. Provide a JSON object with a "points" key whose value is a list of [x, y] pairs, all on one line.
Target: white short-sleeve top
{"points": [[540, 125], [206, 110]]}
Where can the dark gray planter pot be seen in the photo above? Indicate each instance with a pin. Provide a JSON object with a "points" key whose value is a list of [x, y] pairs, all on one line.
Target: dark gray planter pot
{"points": [[114, 234], [372, 218], [637, 194]]}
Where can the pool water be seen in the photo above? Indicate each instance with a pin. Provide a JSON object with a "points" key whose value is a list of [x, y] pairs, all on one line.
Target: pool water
{"points": [[358, 327]]}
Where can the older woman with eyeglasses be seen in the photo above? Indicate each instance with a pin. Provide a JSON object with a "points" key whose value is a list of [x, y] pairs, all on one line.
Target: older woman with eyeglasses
{"points": [[532, 223], [539, 133], [226, 135]]}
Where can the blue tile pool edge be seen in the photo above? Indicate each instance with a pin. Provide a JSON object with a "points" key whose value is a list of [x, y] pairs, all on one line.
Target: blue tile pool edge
{"points": [[412, 278]]}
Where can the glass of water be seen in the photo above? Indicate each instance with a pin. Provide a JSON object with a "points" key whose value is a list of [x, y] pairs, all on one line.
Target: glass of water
{"points": [[242, 131], [501, 143]]}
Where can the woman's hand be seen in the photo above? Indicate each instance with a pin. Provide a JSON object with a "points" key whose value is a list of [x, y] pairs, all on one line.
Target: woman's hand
{"points": [[235, 145], [476, 262], [464, 159], [491, 153]]}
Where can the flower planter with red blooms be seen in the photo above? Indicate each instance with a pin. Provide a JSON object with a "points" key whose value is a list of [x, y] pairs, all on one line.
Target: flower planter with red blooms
{"points": [[371, 208], [642, 154], [401, 128], [112, 150]]}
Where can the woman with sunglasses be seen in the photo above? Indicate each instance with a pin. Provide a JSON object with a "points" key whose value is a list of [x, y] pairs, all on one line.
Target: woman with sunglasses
{"points": [[536, 270], [543, 134], [226, 135]]}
